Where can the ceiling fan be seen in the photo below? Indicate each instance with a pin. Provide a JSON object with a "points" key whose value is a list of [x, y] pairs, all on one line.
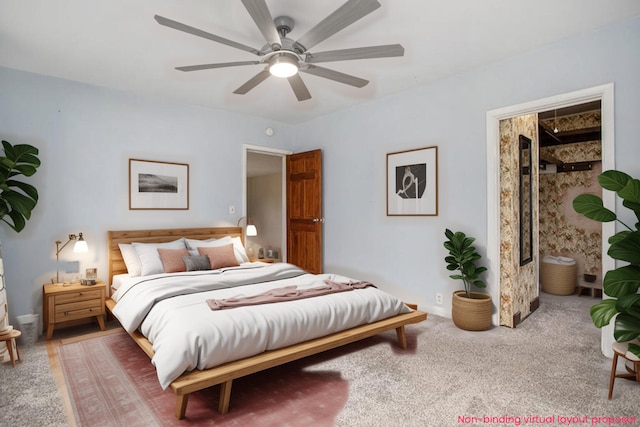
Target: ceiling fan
{"points": [[284, 57]]}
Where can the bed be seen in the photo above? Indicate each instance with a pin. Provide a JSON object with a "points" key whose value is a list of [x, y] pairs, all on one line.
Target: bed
{"points": [[298, 338]]}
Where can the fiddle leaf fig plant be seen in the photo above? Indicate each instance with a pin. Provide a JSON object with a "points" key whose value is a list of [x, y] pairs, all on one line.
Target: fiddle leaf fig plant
{"points": [[17, 198], [462, 257], [622, 283]]}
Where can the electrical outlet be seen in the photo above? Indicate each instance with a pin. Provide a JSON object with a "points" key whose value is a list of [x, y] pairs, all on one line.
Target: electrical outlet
{"points": [[232, 209], [439, 298]]}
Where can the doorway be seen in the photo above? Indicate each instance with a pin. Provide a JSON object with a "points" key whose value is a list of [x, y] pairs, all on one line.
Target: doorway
{"points": [[570, 162], [264, 201], [604, 94]]}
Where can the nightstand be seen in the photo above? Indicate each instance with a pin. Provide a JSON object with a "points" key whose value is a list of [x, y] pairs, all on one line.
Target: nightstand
{"points": [[71, 304]]}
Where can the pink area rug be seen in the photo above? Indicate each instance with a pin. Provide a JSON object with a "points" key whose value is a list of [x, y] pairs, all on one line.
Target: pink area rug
{"points": [[113, 383]]}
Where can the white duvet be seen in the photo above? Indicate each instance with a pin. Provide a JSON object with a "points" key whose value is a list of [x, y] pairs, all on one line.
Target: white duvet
{"points": [[171, 311]]}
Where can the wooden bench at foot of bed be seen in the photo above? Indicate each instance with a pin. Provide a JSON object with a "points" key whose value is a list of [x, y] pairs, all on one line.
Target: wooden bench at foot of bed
{"points": [[225, 374]]}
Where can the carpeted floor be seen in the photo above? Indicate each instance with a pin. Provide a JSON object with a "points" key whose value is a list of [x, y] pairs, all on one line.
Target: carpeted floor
{"points": [[28, 392], [547, 368]]}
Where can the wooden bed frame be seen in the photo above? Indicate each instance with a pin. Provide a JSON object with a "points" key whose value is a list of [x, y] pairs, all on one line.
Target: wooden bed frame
{"points": [[226, 373]]}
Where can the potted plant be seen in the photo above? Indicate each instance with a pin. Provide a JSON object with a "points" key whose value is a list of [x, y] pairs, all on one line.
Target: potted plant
{"points": [[17, 200], [469, 310], [622, 283]]}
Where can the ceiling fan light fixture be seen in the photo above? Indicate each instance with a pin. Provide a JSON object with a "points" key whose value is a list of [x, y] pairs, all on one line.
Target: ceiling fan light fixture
{"points": [[284, 57], [283, 66]]}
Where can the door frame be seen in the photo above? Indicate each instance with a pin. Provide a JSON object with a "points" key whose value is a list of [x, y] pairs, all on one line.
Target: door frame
{"points": [[246, 149], [603, 93]]}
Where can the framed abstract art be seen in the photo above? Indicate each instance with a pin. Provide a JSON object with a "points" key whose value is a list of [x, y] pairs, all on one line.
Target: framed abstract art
{"points": [[412, 182]]}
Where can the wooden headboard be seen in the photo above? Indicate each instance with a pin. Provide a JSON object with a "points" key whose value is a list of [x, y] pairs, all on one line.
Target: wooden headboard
{"points": [[116, 263]]}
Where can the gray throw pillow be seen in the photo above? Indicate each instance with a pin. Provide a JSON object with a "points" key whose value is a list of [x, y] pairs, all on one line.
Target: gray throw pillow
{"points": [[197, 262]]}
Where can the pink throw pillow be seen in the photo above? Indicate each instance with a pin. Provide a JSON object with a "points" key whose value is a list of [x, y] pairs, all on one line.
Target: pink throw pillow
{"points": [[172, 259], [220, 256]]}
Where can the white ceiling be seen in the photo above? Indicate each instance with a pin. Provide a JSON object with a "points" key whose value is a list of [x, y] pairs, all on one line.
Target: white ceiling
{"points": [[118, 44]]}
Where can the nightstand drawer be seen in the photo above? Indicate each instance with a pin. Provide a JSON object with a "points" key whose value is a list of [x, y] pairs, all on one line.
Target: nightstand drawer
{"points": [[77, 296], [78, 310]]}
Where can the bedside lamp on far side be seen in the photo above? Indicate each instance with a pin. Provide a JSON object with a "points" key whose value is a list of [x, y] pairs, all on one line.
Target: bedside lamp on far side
{"points": [[251, 229], [79, 247]]}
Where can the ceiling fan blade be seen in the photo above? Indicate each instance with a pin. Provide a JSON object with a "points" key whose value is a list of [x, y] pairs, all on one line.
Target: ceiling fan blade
{"points": [[385, 51], [219, 65], [262, 17], [253, 82], [335, 75], [196, 32], [342, 17], [299, 88]]}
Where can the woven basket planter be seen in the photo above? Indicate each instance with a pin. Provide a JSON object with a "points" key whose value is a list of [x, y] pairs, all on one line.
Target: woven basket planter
{"points": [[558, 279], [471, 314]]}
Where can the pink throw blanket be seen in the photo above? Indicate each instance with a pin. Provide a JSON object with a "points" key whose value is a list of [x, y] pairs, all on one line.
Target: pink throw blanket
{"points": [[287, 293]]}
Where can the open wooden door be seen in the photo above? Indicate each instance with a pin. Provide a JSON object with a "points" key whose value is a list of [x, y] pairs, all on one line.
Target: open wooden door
{"points": [[304, 210]]}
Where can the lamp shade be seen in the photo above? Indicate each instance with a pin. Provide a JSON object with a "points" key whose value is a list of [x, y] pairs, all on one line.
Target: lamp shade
{"points": [[251, 230], [81, 245]]}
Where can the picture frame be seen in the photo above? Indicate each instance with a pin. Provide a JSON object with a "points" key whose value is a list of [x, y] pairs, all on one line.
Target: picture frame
{"points": [[412, 182], [91, 273], [158, 185]]}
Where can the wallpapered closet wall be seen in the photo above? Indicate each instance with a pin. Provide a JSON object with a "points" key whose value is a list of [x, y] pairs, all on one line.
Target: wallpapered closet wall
{"points": [[518, 284]]}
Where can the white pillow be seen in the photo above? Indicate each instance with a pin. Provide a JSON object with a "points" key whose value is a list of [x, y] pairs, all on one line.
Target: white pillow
{"points": [[131, 260], [194, 244], [241, 254], [150, 261], [238, 248]]}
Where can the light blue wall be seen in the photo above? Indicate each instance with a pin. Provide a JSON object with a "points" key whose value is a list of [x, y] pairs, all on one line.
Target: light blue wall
{"points": [[405, 254], [86, 135]]}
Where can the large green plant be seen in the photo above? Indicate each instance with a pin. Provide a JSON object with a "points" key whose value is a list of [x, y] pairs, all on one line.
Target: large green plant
{"points": [[17, 198], [622, 283], [462, 257]]}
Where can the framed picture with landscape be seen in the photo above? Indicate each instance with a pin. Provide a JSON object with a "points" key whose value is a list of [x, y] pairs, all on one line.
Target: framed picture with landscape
{"points": [[158, 185], [412, 182]]}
